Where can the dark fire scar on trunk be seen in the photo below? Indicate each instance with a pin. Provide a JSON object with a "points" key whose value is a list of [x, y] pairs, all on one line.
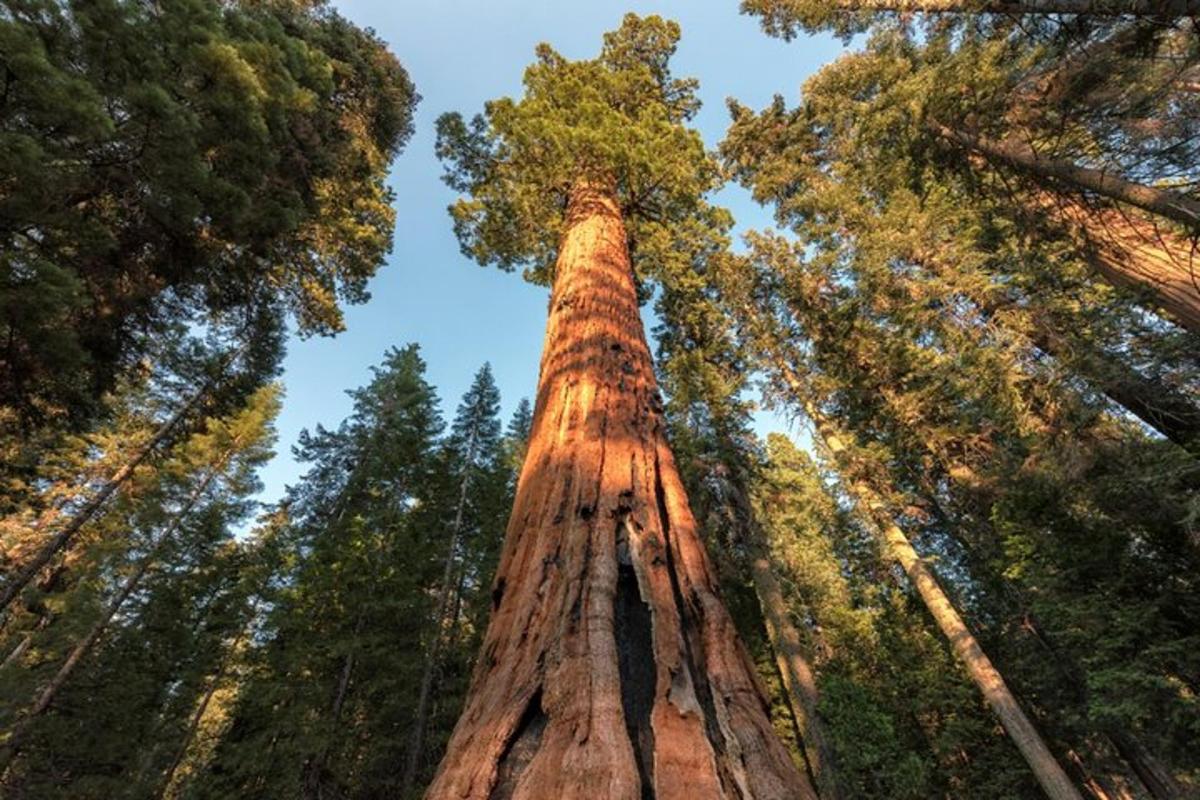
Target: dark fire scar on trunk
{"points": [[521, 748], [632, 628]]}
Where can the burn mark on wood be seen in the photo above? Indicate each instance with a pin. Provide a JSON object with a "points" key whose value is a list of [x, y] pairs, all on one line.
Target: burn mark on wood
{"points": [[576, 612], [633, 631], [521, 748], [498, 594]]}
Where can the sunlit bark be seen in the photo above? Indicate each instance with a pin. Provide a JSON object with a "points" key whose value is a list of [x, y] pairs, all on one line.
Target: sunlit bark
{"points": [[610, 668], [1166, 203]]}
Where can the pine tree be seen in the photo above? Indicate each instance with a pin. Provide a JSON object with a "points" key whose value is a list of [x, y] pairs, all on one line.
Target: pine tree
{"points": [[472, 538], [911, 312], [159, 601], [154, 176]]}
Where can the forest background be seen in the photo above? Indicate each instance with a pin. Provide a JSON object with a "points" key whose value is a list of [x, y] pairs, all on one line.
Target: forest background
{"points": [[431, 294]]}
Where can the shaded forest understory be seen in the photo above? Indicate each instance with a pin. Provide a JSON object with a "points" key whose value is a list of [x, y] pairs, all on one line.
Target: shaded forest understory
{"points": [[980, 302]]}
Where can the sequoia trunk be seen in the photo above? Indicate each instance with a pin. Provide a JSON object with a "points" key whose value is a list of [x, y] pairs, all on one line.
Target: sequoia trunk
{"points": [[1020, 154], [1133, 252], [610, 668]]}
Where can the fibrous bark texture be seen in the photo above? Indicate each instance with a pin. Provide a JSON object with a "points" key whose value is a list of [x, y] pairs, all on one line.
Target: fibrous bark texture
{"points": [[610, 668], [1167, 203], [1135, 253]]}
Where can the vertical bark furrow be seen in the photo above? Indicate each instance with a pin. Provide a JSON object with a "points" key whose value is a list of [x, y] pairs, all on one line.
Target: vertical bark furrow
{"points": [[520, 750], [693, 652], [635, 662]]}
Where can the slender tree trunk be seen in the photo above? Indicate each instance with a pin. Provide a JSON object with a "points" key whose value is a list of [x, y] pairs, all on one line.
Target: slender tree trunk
{"points": [[214, 683], [1046, 769], [1165, 409], [315, 769], [1136, 254], [1049, 773], [1098, 787], [610, 668], [1166, 203], [17, 652], [798, 680], [1161, 407], [13, 744], [448, 595], [1096, 8], [70, 528], [1153, 774]]}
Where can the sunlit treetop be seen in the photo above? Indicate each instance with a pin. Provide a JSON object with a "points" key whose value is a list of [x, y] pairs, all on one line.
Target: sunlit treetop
{"points": [[618, 119]]}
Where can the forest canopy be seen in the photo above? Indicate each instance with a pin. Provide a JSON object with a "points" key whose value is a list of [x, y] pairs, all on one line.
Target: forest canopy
{"points": [[899, 498]]}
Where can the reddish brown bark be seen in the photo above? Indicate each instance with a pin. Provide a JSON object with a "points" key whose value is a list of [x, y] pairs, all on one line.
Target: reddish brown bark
{"points": [[1135, 253], [610, 668], [1020, 154], [1098, 8]]}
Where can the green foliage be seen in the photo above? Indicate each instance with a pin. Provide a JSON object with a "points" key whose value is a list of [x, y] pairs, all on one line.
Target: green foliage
{"points": [[184, 161], [618, 120], [124, 711], [328, 697], [789, 18], [972, 355], [904, 719]]}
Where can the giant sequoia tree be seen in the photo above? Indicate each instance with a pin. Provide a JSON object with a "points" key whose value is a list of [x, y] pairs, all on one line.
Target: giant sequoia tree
{"points": [[610, 666]]}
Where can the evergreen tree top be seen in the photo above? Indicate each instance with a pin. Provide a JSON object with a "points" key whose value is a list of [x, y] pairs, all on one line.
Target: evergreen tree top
{"points": [[521, 422], [619, 119], [476, 426]]}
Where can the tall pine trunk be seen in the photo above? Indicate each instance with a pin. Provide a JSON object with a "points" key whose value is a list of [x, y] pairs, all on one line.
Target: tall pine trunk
{"points": [[42, 702], [1050, 775], [313, 780], [69, 529], [798, 680], [1166, 203], [610, 668], [197, 717], [449, 597]]}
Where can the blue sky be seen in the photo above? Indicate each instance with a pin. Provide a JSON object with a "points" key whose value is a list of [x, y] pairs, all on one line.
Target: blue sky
{"points": [[461, 53]]}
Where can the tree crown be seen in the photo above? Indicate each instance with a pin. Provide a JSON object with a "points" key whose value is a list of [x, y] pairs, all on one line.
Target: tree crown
{"points": [[618, 119]]}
